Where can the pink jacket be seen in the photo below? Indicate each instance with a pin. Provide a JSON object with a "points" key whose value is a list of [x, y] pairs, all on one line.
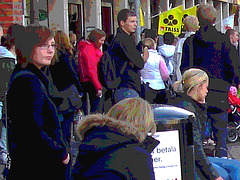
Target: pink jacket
{"points": [[88, 58]]}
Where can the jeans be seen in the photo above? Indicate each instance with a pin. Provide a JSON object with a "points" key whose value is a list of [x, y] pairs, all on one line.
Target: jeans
{"points": [[123, 93], [227, 168], [3, 139]]}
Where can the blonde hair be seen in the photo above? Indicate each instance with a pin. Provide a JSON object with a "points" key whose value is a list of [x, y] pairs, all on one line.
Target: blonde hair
{"points": [[150, 43], [191, 23], [132, 116], [190, 79]]}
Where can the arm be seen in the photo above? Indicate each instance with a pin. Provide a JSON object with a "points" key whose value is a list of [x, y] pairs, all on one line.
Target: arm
{"points": [[163, 69], [132, 54]]}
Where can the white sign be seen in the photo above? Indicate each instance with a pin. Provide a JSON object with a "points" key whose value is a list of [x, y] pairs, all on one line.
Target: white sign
{"points": [[166, 156]]}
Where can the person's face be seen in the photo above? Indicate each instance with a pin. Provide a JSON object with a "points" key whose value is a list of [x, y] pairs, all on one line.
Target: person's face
{"points": [[202, 92], [233, 90], [43, 55], [235, 37], [101, 41], [130, 25]]}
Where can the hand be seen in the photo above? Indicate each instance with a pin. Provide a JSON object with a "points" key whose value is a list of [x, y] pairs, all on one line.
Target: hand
{"points": [[99, 93], [219, 178], [66, 161]]}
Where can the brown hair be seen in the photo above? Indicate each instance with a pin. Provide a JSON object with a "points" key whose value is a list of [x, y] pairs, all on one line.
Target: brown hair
{"points": [[63, 42], [34, 36], [96, 34]]}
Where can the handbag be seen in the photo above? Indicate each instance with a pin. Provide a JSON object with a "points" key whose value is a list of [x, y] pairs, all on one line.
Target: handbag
{"points": [[71, 99]]}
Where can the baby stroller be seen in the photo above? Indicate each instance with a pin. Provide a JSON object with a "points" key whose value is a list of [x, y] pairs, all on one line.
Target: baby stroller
{"points": [[233, 117]]}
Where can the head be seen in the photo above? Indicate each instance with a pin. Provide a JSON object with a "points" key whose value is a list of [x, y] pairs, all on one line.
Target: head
{"points": [[233, 90], [14, 36], [150, 43], [191, 23], [38, 47], [1, 32], [233, 35], [206, 14], [195, 84], [63, 42], [97, 36], [127, 20], [136, 112], [73, 39], [168, 38], [151, 33], [132, 116]]}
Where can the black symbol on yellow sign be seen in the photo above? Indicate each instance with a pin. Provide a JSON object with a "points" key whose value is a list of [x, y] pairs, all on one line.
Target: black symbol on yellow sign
{"points": [[170, 20]]}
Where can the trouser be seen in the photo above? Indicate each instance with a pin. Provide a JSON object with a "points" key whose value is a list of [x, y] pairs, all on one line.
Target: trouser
{"points": [[88, 88], [155, 96], [123, 93], [217, 112]]}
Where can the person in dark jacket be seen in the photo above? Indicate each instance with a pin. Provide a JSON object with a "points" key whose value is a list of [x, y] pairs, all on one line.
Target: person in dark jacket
{"points": [[117, 145], [209, 50], [192, 92], [33, 113], [126, 56], [65, 77]]}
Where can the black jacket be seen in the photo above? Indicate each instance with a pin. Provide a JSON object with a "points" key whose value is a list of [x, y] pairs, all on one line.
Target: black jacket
{"points": [[203, 167], [107, 153], [36, 142], [125, 49], [212, 53]]}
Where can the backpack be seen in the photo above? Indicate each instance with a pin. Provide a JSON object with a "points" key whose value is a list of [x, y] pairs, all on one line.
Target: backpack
{"points": [[107, 71], [7, 66]]}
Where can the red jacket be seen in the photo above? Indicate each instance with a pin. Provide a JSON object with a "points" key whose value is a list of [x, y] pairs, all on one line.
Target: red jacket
{"points": [[233, 100], [88, 58]]}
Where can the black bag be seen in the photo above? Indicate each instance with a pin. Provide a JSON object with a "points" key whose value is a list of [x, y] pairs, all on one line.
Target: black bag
{"points": [[107, 71]]}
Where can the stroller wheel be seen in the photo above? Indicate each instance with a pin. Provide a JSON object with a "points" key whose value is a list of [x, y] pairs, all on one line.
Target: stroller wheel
{"points": [[232, 135]]}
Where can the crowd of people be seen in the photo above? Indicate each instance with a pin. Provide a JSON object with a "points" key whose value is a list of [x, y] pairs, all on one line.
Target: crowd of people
{"points": [[49, 77]]}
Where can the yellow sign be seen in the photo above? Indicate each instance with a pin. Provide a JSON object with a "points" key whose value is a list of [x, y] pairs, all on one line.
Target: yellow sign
{"points": [[142, 22], [172, 20]]}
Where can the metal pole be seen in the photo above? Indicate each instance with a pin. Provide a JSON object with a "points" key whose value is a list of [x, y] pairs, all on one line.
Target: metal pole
{"points": [[138, 30]]}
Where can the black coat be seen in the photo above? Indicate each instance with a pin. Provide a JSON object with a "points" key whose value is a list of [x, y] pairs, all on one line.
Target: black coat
{"points": [[204, 169], [36, 142], [124, 49], [106, 153], [212, 53]]}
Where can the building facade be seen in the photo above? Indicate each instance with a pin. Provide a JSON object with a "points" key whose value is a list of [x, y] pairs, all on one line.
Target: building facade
{"points": [[81, 16]]}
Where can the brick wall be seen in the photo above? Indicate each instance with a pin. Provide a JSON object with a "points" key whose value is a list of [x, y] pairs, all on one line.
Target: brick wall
{"points": [[11, 11]]}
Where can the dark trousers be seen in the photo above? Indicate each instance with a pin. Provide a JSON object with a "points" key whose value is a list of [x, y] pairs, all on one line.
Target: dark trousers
{"points": [[217, 112], [154, 96], [93, 102]]}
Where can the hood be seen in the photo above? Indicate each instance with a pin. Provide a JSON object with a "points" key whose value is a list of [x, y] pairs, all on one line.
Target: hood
{"points": [[82, 44], [166, 50], [5, 53]]}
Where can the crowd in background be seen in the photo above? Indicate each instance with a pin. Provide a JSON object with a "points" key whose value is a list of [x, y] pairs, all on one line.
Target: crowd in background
{"points": [[50, 77]]}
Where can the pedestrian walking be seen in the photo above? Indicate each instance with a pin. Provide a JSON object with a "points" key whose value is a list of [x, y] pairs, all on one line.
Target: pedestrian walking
{"points": [[209, 50], [117, 145], [89, 54], [126, 56], [33, 113]]}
